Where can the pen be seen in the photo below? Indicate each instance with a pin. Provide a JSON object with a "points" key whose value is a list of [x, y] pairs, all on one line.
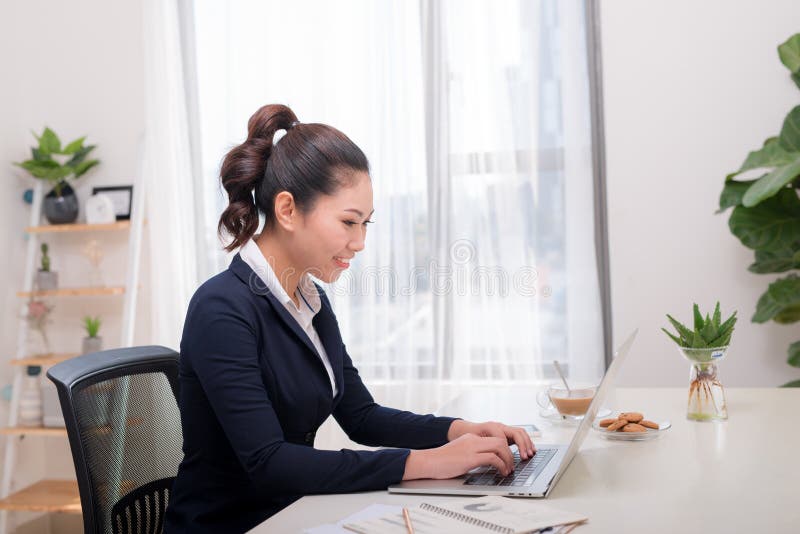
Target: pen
{"points": [[407, 519]]}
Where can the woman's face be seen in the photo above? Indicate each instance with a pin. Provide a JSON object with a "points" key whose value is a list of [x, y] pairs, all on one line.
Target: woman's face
{"points": [[330, 235]]}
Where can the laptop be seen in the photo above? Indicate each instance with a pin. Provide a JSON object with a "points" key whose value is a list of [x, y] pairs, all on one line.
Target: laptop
{"points": [[534, 477]]}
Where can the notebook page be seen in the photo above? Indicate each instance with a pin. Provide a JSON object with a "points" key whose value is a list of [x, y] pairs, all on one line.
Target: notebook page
{"points": [[517, 515], [424, 522]]}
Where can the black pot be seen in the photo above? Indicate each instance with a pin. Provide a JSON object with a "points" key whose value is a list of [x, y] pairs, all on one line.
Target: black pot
{"points": [[61, 209]]}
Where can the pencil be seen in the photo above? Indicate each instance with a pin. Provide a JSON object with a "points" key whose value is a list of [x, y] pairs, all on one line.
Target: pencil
{"points": [[407, 519]]}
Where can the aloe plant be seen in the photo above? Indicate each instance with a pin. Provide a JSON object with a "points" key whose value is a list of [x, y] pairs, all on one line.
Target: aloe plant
{"points": [[709, 332], [92, 325], [766, 212], [42, 165]]}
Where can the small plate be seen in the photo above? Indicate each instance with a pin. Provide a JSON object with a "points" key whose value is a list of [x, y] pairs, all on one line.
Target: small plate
{"points": [[551, 414], [631, 436]]}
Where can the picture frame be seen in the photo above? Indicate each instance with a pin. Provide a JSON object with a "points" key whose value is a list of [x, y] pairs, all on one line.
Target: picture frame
{"points": [[122, 198]]}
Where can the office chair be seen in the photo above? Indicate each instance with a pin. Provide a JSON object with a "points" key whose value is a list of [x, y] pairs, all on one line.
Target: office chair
{"points": [[121, 413]]}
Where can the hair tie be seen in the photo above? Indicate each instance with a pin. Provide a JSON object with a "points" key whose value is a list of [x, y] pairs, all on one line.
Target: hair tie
{"points": [[295, 123]]}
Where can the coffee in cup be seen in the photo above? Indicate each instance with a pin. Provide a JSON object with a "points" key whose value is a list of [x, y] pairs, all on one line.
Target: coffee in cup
{"points": [[571, 403]]}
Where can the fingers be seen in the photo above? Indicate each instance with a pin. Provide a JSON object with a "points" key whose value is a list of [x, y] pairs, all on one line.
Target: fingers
{"points": [[523, 442], [489, 458]]}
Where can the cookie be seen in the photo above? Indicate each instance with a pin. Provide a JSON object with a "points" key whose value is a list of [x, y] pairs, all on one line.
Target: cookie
{"points": [[632, 417], [605, 422], [633, 427], [649, 424], [619, 423]]}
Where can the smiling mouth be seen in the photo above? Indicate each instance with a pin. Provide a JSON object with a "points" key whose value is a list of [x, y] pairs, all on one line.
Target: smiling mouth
{"points": [[341, 262]]}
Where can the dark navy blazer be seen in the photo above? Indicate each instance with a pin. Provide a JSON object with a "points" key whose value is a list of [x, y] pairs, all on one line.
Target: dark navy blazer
{"points": [[253, 392]]}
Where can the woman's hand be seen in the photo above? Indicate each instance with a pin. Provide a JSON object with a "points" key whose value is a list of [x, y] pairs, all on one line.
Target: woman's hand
{"points": [[511, 434], [459, 456]]}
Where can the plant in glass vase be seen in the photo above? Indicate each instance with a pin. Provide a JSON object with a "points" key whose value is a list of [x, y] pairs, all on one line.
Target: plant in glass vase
{"points": [[704, 347], [37, 316]]}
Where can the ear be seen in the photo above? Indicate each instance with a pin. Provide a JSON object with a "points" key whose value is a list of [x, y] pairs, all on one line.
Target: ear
{"points": [[285, 210]]}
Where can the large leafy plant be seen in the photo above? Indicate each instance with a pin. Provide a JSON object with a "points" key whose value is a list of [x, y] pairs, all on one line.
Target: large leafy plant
{"points": [[70, 160], [766, 212]]}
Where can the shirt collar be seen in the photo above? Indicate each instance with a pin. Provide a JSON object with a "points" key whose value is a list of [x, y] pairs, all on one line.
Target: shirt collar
{"points": [[307, 291]]}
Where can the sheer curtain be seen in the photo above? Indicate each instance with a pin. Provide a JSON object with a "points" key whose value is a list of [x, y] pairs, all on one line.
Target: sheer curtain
{"points": [[475, 117]]}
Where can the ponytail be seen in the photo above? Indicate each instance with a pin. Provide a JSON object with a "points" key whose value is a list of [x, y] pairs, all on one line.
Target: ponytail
{"points": [[310, 160]]}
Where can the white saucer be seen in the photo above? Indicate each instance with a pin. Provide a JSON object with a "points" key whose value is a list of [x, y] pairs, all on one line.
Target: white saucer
{"points": [[551, 414]]}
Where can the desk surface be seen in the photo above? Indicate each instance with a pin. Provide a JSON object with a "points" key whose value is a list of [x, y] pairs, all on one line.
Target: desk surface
{"points": [[737, 476]]}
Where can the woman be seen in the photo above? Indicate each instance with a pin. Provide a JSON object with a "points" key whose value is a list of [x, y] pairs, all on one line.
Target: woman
{"points": [[262, 361]]}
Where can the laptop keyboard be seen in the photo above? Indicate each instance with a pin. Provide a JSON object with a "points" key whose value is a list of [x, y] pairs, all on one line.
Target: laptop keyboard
{"points": [[523, 469]]}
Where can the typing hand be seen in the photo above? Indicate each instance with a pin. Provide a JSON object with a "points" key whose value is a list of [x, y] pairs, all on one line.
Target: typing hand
{"points": [[464, 453], [512, 434]]}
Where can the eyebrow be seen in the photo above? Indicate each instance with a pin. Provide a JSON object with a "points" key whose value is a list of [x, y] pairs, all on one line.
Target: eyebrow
{"points": [[359, 213]]}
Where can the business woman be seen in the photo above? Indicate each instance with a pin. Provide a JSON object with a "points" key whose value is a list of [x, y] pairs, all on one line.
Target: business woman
{"points": [[263, 364]]}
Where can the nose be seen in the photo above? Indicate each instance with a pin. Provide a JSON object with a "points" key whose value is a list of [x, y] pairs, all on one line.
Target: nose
{"points": [[357, 244]]}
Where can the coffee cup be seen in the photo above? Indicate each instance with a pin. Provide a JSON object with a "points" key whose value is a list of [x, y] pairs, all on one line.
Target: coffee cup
{"points": [[572, 403]]}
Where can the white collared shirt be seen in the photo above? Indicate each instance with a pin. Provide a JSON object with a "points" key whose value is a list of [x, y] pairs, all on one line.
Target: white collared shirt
{"points": [[306, 293]]}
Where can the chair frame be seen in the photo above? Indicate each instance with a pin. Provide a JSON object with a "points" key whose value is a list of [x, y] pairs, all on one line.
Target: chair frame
{"points": [[77, 373]]}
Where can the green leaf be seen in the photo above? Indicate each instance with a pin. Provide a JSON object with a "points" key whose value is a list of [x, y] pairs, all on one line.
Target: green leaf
{"points": [[80, 155], [781, 301], [796, 79], [768, 261], [770, 155], [698, 318], [698, 342], [717, 316], [789, 52], [74, 146], [684, 332], [794, 354], [49, 143], [771, 183], [772, 225], [39, 169], [674, 338], [792, 384], [84, 166], [708, 333], [732, 193], [790, 132]]}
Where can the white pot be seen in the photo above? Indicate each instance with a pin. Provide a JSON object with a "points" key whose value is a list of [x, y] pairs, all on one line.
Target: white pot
{"points": [[30, 402], [92, 344], [46, 280]]}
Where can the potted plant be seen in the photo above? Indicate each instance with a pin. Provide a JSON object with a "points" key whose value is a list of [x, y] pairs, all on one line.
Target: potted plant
{"points": [[56, 164], [704, 347], [92, 342], [45, 278], [766, 212]]}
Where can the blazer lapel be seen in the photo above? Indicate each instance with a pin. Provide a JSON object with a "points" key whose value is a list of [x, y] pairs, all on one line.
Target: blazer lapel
{"points": [[256, 285], [328, 331]]}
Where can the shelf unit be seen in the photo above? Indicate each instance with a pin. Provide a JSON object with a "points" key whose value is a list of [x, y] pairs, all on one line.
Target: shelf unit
{"points": [[48, 495]]}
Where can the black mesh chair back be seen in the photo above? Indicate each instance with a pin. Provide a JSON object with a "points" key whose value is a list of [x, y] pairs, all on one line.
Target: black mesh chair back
{"points": [[121, 412]]}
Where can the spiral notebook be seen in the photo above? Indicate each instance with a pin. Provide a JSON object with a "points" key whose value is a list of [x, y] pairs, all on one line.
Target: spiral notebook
{"points": [[472, 516]]}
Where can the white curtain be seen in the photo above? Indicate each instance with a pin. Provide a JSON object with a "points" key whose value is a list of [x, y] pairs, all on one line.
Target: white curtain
{"points": [[167, 176], [474, 115]]}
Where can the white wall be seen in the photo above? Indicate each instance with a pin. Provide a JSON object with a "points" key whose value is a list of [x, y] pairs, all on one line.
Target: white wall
{"points": [[76, 67], [690, 87]]}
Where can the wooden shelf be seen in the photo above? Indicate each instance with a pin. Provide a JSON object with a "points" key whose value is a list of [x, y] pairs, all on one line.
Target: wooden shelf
{"points": [[73, 227], [75, 292], [46, 496], [45, 360], [34, 431]]}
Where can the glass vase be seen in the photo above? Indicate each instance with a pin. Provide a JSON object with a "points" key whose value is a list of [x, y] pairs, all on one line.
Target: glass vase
{"points": [[706, 400]]}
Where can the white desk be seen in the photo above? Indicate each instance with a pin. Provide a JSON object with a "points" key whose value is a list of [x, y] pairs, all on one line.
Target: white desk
{"points": [[742, 476]]}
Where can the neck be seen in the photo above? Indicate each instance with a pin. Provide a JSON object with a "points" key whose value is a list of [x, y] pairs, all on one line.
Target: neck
{"points": [[278, 258]]}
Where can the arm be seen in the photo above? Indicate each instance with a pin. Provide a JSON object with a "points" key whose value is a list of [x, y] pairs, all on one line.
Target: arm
{"points": [[221, 346], [368, 423]]}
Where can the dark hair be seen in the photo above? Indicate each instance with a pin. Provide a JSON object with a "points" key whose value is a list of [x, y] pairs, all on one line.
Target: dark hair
{"points": [[309, 161]]}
